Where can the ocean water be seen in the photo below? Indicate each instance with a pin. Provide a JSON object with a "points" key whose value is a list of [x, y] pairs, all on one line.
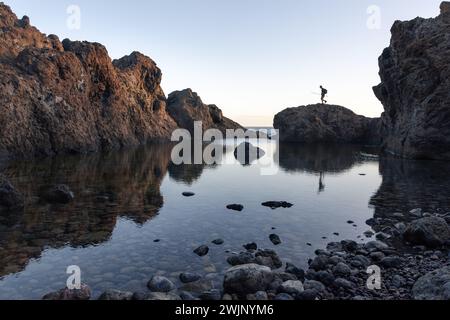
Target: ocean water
{"points": [[125, 200]]}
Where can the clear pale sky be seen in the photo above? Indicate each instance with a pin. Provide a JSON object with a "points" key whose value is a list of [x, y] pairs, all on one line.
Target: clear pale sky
{"points": [[253, 58]]}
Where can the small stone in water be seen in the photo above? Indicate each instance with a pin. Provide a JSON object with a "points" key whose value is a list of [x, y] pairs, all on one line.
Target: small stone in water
{"points": [[275, 239], [277, 204], [218, 242], [201, 251], [251, 246], [188, 194], [235, 207]]}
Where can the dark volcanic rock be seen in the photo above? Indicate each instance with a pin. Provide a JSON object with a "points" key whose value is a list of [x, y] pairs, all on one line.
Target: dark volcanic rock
{"points": [[65, 294], [235, 207], [275, 239], [430, 231], [247, 279], [201, 251], [186, 107], [10, 198], [415, 88], [70, 97], [277, 204], [326, 123], [433, 286]]}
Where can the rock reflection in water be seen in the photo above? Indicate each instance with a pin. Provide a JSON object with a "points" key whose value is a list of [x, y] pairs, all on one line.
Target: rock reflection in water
{"points": [[409, 184], [120, 184]]}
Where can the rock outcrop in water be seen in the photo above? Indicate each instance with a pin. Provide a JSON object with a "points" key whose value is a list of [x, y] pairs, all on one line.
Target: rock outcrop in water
{"points": [[70, 97], [186, 107], [415, 88], [326, 123]]}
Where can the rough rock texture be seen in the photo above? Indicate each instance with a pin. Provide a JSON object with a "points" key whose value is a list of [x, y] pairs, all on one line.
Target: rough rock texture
{"points": [[415, 88], [186, 107], [433, 286], [248, 278], [69, 97], [326, 123], [430, 231]]}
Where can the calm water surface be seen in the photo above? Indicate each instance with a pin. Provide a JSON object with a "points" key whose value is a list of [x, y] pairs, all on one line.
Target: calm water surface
{"points": [[125, 200]]}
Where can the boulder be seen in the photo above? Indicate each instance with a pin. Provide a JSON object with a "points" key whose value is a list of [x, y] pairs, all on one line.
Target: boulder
{"points": [[415, 88], [433, 286], [84, 293], [326, 123], [430, 231], [247, 279]]}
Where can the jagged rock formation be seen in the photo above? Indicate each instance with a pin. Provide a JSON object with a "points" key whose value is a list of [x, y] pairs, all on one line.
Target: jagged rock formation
{"points": [[69, 97], [326, 123], [415, 88], [186, 107]]}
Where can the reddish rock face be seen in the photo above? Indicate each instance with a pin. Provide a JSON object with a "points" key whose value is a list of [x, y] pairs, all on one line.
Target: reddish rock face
{"points": [[415, 88], [70, 97], [186, 107]]}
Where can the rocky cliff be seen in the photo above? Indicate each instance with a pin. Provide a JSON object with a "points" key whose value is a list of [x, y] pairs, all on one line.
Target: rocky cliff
{"points": [[186, 107], [326, 123], [70, 97], [415, 88]]}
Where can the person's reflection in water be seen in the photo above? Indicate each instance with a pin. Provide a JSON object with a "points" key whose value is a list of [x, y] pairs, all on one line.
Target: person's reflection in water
{"points": [[321, 184]]}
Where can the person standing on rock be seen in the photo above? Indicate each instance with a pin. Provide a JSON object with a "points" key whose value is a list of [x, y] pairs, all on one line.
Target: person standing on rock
{"points": [[324, 93]]}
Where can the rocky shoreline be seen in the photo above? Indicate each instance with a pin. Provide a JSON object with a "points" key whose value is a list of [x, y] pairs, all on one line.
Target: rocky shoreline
{"points": [[413, 260]]}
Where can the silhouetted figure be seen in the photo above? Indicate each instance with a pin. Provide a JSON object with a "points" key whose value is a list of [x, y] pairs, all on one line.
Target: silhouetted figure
{"points": [[324, 93]]}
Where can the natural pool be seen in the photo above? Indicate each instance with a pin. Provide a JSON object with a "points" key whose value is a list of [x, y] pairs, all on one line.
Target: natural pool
{"points": [[125, 200]]}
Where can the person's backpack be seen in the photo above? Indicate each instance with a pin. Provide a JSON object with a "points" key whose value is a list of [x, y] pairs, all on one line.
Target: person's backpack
{"points": [[325, 91]]}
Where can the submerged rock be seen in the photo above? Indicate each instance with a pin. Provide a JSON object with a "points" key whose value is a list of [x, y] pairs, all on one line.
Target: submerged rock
{"points": [[189, 277], [202, 251], [160, 284], [415, 88], [188, 194]]}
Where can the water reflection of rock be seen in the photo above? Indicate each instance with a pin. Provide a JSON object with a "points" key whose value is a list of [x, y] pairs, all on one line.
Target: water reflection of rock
{"points": [[190, 173], [318, 158], [121, 184], [409, 184]]}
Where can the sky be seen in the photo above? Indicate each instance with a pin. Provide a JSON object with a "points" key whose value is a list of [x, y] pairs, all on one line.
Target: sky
{"points": [[252, 58]]}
